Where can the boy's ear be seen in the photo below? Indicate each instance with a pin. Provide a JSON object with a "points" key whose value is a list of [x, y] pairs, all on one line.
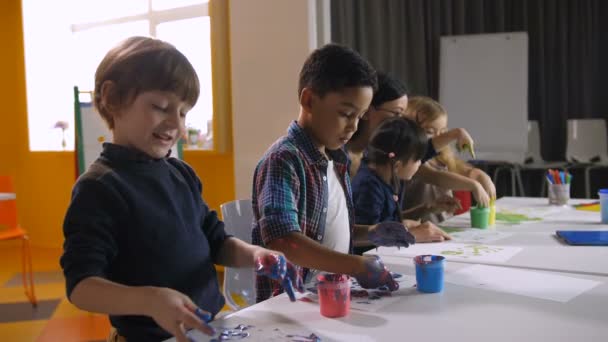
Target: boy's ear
{"points": [[306, 99]]}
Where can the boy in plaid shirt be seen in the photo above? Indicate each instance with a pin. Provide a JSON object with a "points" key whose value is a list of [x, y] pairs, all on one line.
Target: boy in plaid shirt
{"points": [[302, 198]]}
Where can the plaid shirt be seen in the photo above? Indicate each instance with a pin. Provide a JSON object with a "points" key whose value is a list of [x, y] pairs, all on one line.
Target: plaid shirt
{"points": [[290, 195]]}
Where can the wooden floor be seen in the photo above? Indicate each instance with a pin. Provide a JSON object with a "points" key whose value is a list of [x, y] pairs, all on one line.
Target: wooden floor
{"points": [[55, 319]]}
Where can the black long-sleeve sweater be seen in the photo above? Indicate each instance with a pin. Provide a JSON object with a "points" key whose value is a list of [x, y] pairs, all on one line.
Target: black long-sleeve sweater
{"points": [[139, 221]]}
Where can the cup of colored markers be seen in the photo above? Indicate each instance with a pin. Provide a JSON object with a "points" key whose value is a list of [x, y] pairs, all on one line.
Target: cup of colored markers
{"points": [[334, 294], [429, 273], [558, 186]]}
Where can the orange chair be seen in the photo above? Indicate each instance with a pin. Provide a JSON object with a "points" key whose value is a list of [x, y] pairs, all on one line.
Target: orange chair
{"points": [[10, 230]]}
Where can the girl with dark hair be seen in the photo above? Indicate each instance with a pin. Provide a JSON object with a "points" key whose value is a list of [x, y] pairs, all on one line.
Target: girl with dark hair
{"points": [[394, 154]]}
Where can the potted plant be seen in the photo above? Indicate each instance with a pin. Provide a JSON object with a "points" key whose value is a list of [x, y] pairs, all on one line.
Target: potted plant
{"points": [[63, 125]]}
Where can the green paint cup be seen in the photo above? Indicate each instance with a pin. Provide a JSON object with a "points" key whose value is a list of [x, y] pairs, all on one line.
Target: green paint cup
{"points": [[480, 217]]}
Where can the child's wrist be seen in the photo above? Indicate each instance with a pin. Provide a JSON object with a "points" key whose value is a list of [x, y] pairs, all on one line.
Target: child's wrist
{"points": [[358, 266], [143, 298]]}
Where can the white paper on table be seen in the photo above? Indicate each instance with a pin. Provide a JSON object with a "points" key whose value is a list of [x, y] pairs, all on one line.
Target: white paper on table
{"points": [[462, 251], [478, 236], [528, 283]]}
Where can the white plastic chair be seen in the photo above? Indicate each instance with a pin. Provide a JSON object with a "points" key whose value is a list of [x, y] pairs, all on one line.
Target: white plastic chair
{"points": [[534, 159], [239, 283], [587, 144]]}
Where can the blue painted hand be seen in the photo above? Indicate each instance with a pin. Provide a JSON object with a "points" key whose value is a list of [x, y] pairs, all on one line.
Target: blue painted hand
{"points": [[376, 275], [390, 234], [276, 267]]}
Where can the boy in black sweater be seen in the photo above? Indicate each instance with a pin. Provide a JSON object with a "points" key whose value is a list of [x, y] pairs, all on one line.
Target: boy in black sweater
{"points": [[140, 242]]}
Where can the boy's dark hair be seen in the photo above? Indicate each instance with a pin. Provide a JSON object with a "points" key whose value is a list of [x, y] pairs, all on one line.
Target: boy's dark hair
{"points": [[140, 64], [389, 89], [397, 139], [335, 67]]}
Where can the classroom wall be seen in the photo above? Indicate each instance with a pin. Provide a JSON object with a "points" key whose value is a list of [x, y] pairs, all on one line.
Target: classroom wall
{"points": [[44, 179], [270, 39]]}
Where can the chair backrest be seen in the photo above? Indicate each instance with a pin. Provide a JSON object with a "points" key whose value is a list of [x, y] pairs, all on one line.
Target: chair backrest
{"points": [[239, 283], [533, 153], [238, 218], [8, 208], [586, 140]]}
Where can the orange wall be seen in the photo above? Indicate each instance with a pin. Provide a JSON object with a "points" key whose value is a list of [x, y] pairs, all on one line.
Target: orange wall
{"points": [[44, 179]]}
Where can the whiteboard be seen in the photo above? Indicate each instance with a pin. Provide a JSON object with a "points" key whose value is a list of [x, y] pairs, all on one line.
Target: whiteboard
{"points": [[483, 84], [91, 132]]}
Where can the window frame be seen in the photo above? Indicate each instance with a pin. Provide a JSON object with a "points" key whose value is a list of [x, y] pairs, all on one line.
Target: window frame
{"points": [[217, 11]]}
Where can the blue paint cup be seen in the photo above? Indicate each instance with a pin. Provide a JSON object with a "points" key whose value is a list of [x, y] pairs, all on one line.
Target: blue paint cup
{"points": [[603, 193], [429, 273]]}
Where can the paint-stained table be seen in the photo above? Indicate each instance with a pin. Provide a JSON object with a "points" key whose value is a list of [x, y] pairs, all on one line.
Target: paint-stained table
{"points": [[459, 313]]}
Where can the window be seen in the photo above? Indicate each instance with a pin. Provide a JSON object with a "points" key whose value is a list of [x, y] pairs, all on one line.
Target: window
{"points": [[66, 39]]}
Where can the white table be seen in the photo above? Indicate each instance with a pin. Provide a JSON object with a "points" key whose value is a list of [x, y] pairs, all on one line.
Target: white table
{"points": [[458, 314], [6, 196], [541, 249]]}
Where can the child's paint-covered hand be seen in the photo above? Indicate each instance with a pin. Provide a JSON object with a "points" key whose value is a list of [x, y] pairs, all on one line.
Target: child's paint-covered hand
{"points": [[175, 312], [375, 274], [274, 265], [390, 234]]}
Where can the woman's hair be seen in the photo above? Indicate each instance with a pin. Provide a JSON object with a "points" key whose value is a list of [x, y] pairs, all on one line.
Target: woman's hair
{"points": [[140, 64], [389, 89]]}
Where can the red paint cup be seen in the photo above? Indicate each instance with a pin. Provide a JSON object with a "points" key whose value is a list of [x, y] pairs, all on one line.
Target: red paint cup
{"points": [[334, 294], [465, 200]]}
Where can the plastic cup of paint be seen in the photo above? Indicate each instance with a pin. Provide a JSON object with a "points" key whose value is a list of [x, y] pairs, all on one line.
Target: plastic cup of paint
{"points": [[480, 217], [492, 218], [429, 273], [334, 294], [603, 193], [559, 194]]}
